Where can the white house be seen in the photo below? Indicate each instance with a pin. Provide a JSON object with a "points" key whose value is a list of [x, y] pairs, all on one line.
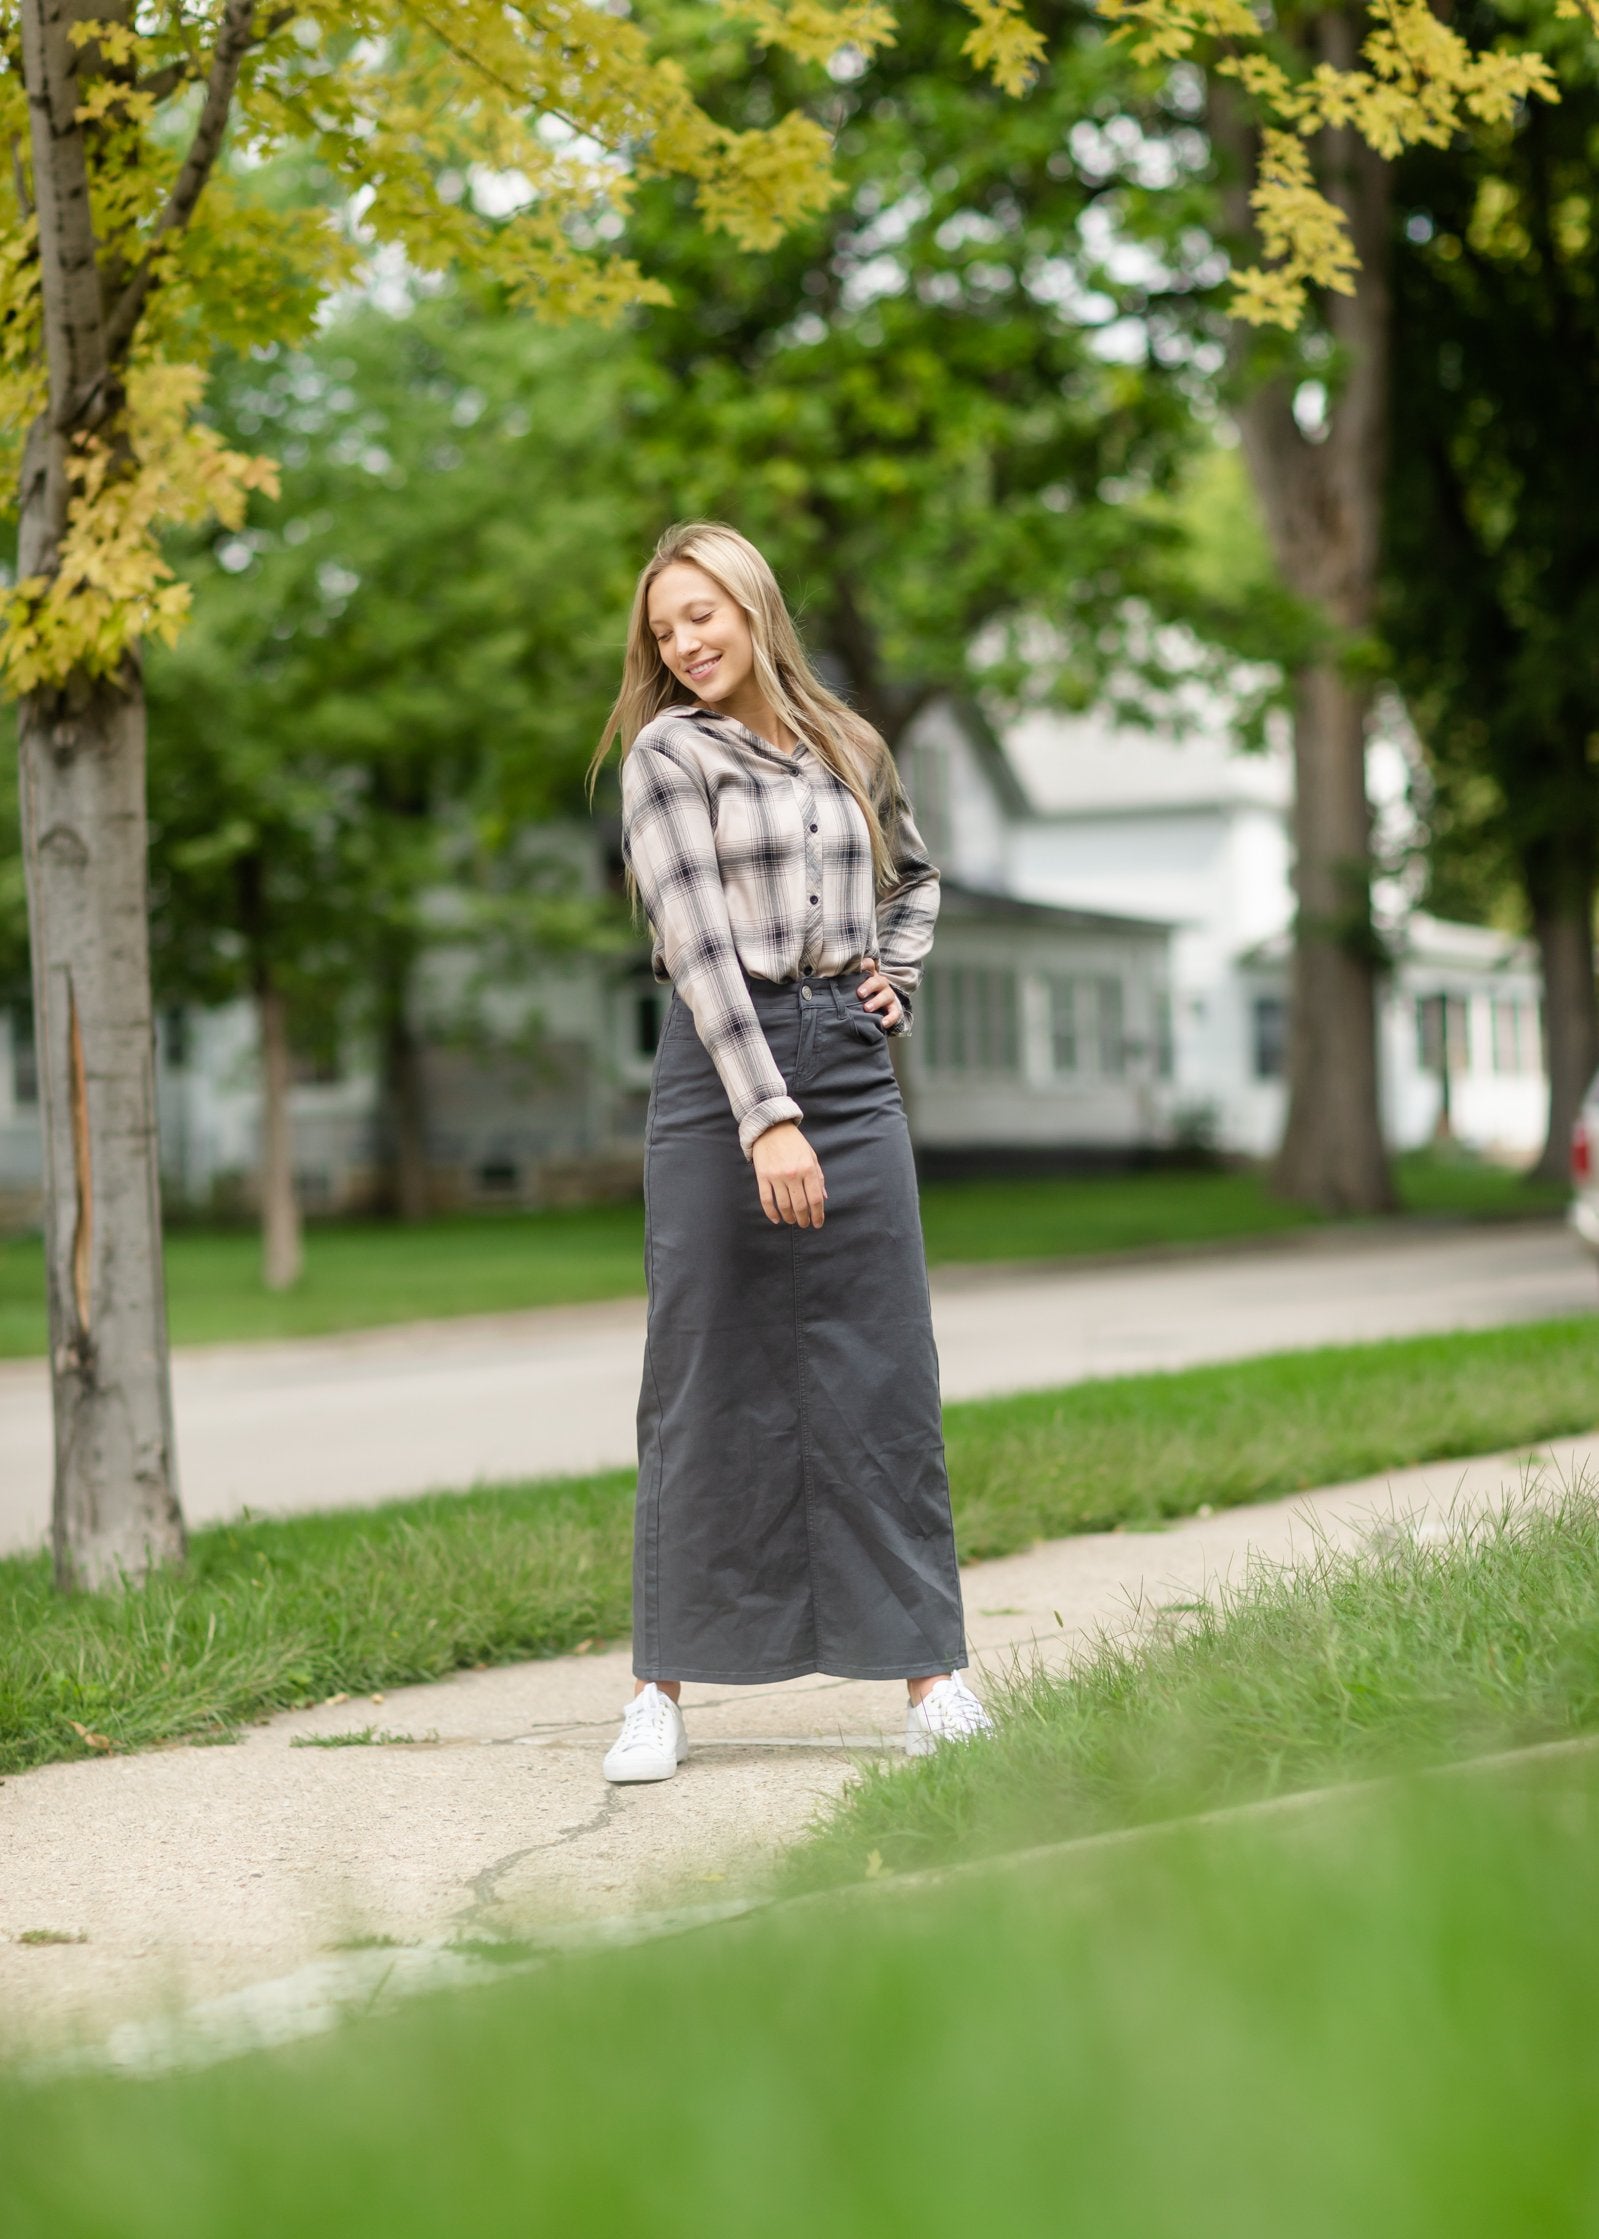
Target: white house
{"points": [[1189, 830]]}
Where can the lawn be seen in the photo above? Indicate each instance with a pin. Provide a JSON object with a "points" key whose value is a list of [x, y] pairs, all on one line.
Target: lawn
{"points": [[1408, 1653], [362, 1274], [275, 1614], [1368, 2020]]}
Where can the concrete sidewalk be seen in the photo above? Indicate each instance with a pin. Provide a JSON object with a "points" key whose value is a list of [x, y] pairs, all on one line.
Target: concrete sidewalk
{"points": [[193, 1873], [340, 1422]]}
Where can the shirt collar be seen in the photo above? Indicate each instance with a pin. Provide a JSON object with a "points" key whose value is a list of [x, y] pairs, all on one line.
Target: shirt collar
{"points": [[694, 713]]}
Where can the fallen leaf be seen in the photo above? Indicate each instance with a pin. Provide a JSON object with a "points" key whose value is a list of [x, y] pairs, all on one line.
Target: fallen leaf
{"points": [[331, 1702], [713, 1877], [377, 1698], [583, 1648], [91, 1740], [480, 1667], [875, 1868]]}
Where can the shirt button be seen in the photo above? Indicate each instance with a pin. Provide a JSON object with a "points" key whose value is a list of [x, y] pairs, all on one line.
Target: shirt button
{"points": [[813, 827], [808, 969], [815, 897]]}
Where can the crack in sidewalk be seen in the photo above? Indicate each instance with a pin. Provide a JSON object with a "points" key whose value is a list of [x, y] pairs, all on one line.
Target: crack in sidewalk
{"points": [[483, 1890]]}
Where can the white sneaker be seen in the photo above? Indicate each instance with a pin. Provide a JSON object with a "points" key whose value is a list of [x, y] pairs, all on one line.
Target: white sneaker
{"points": [[652, 1743], [947, 1712]]}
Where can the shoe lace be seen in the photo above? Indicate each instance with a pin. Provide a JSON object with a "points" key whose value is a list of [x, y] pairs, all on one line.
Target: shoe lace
{"points": [[644, 1719]]}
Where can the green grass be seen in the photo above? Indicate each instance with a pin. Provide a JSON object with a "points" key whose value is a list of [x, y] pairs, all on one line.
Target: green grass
{"points": [[1373, 2016], [1407, 1653], [363, 1274], [276, 1615], [1136, 1449], [273, 1614], [1381, 2024]]}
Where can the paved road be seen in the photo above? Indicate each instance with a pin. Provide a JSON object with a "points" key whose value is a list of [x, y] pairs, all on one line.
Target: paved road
{"points": [[231, 1882], [330, 1422]]}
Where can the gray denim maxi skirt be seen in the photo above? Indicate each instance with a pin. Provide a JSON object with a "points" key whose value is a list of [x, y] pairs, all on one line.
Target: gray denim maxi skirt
{"points": [[793, 1504]]}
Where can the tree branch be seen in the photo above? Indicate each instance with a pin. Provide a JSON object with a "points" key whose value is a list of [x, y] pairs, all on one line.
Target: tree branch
{"points": [[234, 41], [19, 180]]}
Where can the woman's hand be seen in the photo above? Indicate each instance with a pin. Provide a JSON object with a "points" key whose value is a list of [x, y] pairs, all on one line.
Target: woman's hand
{"points": [[790, 1176], [877, 995]]}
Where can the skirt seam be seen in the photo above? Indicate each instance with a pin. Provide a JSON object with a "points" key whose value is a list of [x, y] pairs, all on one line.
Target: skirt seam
{"points": [[805, 1438], [653, 1562]]}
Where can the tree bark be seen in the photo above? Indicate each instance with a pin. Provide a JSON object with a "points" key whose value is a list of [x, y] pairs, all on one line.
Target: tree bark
{"points": [[1564, 929], [282, 1253], [1332, 1153], [404, 1107], [1321, 496], [115, 1509], [82, 764]]}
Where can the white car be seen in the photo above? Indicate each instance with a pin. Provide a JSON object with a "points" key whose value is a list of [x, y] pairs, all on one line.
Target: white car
{"points": [[1585, 1169]]}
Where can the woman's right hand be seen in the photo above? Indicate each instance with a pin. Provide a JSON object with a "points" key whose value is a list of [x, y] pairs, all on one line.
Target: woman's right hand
{"points": [[790, 1176]]}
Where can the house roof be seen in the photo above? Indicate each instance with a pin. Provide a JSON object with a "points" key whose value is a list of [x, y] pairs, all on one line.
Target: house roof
{"points": [[960, 900], [1089, 765], [991, 755]]}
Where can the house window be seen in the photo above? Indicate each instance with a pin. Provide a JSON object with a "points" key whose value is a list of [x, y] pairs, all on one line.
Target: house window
{"points": [[1165, 1046], [1064, 1041], [1514, 1035], [971, 1017], [1111, 1028], [1087, 1025], [24, 1058], [1443, 1033], [1269, 1037]]}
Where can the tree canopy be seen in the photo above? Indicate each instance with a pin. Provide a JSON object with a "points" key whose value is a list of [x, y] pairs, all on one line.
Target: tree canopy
{"points": [[1491, 600], [505, 139], [941, 403]]}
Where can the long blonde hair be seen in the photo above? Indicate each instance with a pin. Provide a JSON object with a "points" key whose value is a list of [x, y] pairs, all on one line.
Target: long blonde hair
{"points": [[850, 746]]}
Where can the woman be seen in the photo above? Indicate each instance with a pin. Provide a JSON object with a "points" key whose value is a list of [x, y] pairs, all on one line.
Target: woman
{"points": [[793, 1507]]}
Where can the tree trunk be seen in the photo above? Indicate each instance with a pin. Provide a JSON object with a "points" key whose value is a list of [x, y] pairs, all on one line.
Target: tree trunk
{"points": [[1332, 1153], [404, 1105], [82, 762], [1571, 1021], [1321, 496], [282, 1256], [115, 1508]]}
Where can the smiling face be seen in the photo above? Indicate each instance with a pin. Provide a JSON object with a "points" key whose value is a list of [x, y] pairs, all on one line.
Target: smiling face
{"points": [[702, 632]]}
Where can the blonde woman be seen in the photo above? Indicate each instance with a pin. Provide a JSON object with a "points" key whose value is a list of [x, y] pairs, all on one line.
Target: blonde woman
{"points": [[793, 1508]]}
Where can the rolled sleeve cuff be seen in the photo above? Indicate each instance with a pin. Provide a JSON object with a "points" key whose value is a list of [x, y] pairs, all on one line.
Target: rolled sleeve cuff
{"points": [[902, 980], [764, 1115]]}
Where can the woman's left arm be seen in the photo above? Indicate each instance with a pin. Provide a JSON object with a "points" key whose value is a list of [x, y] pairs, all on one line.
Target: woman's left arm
{"points": [[907, 913]]}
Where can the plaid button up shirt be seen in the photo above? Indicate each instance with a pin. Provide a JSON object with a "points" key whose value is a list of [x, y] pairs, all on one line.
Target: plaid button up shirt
{"points": [[746, 856]]}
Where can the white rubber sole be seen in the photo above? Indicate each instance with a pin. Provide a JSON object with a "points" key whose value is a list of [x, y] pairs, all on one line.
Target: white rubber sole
{"points": [[652, 1768], [920, 1743], [639, 1765]]}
